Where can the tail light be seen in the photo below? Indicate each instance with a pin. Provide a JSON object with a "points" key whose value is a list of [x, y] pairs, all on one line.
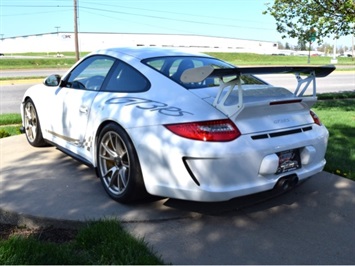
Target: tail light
{"points": [[315, 118], [216, 130]]}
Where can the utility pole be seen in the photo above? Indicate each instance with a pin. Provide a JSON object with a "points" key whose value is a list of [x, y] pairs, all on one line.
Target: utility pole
{"points": [[352, 42], [57, 27], [2, 40], [76, 30]]}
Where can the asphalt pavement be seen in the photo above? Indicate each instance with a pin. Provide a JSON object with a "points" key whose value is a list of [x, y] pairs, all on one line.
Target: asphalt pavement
{"points": [[311, 224]]}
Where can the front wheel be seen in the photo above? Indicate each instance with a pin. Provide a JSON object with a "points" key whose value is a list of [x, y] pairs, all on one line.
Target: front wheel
{"points": [[32, 126], [118, 165]]}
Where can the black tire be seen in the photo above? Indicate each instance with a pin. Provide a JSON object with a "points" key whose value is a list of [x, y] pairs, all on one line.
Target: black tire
{"points": [[32, 125], [118, 166]]}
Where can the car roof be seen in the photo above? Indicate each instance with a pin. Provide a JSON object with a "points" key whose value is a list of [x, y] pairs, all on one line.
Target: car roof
{"points": [[146, 52]]}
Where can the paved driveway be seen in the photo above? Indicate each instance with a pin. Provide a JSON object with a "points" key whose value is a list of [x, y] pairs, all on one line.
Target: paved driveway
{"points": [[312, 224]]}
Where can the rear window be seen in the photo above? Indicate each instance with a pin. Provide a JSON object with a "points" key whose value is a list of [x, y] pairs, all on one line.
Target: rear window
{"points": [[174, 66]]}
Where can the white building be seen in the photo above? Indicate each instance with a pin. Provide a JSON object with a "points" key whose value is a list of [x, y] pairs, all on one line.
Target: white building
{"points": [[88, 41]]}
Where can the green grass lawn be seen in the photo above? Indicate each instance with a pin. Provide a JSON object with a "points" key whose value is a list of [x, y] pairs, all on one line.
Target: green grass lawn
{"points": [[238, 59], [37, 63], [339, 117], [9, 125], [97, 243], [8, 119]]}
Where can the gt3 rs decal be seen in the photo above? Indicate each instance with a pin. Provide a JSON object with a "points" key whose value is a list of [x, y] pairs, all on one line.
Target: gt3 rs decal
{"points": [[150, 105]]}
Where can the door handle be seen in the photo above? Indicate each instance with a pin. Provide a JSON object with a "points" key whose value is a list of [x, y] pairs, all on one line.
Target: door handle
{"points": [[83, 109]]}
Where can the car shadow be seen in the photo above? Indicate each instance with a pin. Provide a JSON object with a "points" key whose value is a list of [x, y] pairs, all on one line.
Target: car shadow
{"points": [[216, 208]]}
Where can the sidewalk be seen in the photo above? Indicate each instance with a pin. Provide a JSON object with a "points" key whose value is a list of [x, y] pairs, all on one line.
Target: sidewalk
{"points": [[312, 224]]}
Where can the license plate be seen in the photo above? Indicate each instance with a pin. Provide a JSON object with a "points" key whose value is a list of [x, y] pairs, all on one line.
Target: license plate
{"points": [[288, 161]]}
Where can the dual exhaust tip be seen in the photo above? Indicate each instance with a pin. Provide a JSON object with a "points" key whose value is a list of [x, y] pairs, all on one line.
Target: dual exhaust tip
{"points": [[286, 183]]}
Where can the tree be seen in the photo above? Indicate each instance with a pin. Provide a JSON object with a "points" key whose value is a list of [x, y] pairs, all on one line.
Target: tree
{"points": [[301, 46], [326, 48], [297, 18], [280, 45]]}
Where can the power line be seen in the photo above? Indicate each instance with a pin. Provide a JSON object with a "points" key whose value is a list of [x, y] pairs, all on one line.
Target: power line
{"points": [[144, 15], [172, 19], [144, 24], [170, 12], [35, 13], [103, 9]]}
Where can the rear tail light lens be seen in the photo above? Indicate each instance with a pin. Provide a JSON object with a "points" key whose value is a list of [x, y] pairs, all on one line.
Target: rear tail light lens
{"points": [[315, 118], [216, 130]]}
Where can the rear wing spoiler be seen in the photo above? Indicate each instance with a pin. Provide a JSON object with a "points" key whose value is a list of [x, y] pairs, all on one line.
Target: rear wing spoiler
{"points": [[201, 73]]}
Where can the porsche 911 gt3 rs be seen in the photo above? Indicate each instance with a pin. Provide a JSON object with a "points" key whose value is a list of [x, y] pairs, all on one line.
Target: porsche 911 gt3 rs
{"points": [[178, 124]]}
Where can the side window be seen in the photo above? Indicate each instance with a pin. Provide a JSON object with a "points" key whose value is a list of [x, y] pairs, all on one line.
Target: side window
{"points": [[125, 78], [91, 73]]}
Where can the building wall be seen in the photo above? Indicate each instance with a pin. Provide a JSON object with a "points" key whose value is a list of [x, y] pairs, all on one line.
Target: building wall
{"points": [[64, 42]]}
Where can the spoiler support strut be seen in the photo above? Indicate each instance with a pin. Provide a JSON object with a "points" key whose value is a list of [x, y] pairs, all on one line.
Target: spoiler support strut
{"points": [[220, 103], [307, 81]]}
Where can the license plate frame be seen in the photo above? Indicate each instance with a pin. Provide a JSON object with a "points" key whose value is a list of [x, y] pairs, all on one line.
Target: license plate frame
{"points": [[289, 160]]}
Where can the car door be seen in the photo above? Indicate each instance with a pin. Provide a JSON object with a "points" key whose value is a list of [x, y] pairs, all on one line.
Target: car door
{"points": [[75, 99]]}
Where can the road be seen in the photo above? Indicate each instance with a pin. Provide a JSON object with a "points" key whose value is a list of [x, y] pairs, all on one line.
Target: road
{"points": [[11, 92], [31, 72], [335, 82], [10, 98]]}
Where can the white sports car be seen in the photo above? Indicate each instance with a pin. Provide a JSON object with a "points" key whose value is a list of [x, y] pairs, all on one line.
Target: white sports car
{"points": [[180, 125]]}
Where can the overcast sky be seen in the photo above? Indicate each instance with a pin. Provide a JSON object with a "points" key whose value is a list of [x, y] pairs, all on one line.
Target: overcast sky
{"points": [[241, 19]]}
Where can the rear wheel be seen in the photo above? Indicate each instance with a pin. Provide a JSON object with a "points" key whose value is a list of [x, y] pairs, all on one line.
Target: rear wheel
{"points": [[32, 126], [118, 165]]}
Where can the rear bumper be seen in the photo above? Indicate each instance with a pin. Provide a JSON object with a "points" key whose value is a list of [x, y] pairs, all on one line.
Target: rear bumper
{"points": [[230, 184], [202, 171]]}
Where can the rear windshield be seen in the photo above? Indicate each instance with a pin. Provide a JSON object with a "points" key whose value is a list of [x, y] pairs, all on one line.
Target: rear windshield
{"points": [[174, 66]]}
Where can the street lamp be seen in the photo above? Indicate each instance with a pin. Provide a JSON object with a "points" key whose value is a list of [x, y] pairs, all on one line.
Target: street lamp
{"points": [[334, 60]]}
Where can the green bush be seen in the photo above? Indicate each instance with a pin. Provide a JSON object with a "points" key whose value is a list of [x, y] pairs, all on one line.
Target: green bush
{"points": [[3, 134]]}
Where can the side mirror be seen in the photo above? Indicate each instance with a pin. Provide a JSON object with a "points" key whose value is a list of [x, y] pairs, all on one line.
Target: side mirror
{"points": [[52, 80]]}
